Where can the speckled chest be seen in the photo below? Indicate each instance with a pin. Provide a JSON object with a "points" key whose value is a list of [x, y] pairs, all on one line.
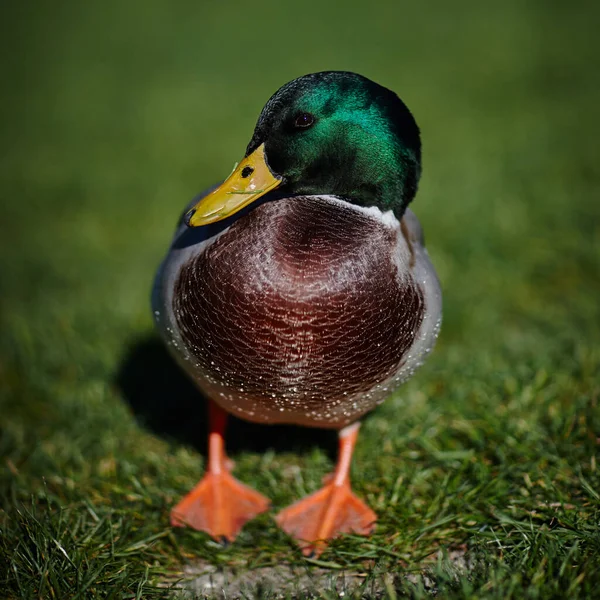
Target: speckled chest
{"points": [[297, 307]]}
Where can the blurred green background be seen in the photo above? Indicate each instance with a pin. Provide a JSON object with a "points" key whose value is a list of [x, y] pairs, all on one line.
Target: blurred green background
{"points": [[115, 114]]}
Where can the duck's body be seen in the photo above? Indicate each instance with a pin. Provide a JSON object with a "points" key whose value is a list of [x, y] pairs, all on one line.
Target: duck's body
{"points": [[310, 306], [308, 310]]}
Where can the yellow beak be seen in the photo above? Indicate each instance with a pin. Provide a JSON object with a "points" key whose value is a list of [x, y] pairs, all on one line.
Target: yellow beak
{"points": [[250, 180]]}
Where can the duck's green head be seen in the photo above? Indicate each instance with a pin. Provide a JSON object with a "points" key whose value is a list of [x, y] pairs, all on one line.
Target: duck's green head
{"points": [[334, 133]]}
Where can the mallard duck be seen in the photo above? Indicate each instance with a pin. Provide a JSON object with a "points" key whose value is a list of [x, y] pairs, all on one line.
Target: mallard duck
{"points": [[299, 291]]}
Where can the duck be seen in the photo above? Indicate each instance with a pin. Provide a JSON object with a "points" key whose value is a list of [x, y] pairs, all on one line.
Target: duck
{"points": [[299, 291]]}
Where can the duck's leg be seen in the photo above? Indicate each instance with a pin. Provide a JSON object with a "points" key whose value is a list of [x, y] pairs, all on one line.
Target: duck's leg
{"points": [[219, 504], [333, 509]]}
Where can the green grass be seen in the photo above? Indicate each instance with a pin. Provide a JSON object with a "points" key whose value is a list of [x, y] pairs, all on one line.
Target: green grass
{"points": [[116, 114]]}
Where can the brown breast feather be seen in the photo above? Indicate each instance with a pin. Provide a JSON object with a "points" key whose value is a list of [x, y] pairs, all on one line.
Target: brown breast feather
{"points": [[299, 300]]}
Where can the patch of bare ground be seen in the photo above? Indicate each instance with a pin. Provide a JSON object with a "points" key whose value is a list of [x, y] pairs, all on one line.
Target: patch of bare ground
{"points": [[205, 581]]}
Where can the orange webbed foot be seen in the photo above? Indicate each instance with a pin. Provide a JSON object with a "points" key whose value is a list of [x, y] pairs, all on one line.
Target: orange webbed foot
{"points": [[219, 505], [333, 509], [327, 513]]}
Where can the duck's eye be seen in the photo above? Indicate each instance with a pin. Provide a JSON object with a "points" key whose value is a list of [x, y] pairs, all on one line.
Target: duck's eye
{"points": [[304, 120]]}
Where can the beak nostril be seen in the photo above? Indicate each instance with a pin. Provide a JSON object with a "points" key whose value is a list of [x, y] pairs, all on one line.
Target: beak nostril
{"points": [[247, 171]]}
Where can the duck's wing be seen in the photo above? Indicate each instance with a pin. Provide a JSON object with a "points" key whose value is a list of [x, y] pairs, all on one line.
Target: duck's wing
{"points": [[423, 273]]}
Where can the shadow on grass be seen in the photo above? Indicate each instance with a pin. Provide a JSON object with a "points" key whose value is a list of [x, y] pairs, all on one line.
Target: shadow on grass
{"points": [[167, 403]]}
